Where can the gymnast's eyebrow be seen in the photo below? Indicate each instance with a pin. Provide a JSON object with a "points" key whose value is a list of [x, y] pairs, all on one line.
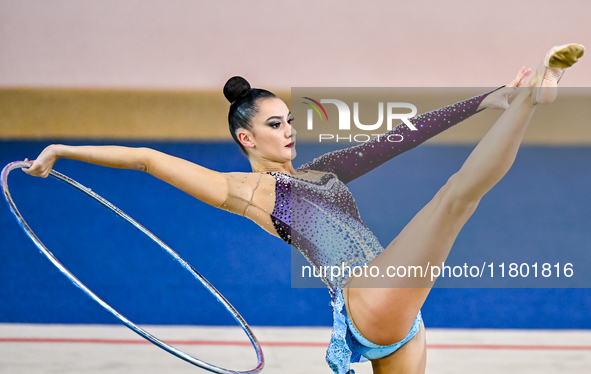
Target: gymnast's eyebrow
{"points": [[278, 117]]}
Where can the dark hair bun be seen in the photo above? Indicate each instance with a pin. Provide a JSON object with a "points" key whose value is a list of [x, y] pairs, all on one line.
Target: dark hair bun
{"points": [[235, 87]]}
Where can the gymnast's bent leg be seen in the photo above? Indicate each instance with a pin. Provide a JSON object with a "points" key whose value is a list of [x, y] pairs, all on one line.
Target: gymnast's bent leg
{"points": [[385, 315]]}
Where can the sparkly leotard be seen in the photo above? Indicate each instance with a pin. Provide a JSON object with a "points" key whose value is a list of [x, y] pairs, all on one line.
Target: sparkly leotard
{"points": [[316, 213]]}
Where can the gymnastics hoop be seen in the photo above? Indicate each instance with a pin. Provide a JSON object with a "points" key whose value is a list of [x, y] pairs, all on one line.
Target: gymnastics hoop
{"points": [[143, 333]]}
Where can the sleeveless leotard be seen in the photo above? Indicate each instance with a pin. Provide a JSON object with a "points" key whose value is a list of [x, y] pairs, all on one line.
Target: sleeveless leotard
{"points": [[316, 213]]}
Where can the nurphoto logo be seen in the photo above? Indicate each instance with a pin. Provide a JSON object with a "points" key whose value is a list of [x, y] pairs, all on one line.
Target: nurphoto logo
{"points": [[344, 119]]}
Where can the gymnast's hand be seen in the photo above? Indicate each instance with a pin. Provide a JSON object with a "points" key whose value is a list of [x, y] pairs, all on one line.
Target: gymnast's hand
{"points": [[44, 163], [500, 98]]}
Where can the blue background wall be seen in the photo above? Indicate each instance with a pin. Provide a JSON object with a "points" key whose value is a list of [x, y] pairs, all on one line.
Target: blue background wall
{"points": [[542, 206]]}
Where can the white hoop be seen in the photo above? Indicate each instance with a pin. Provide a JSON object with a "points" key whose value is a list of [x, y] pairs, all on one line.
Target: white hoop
{"points": [[204, 365]]}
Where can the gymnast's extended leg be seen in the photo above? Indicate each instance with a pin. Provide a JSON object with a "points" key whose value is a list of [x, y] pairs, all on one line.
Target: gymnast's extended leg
{"points": [[385, 315]]}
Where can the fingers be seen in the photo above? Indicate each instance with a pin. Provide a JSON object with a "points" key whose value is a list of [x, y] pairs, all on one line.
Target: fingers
{"points": [[525, 75], [518, 78], [27, 170], [521, 75], [30, 170], [35, 169]]}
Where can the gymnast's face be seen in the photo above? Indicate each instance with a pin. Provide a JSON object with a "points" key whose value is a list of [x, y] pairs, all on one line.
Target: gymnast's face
{"points": [[271, 136]]}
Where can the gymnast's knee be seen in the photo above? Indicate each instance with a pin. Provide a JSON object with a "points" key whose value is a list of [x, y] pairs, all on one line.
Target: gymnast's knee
{"points": [[454, 201]]}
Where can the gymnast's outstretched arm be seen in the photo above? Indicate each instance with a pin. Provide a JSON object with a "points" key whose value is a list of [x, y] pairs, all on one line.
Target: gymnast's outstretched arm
{"points": [[351, 163], [204, 184]]}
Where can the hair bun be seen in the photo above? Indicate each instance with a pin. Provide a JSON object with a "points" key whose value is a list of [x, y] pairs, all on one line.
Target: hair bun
{"points": [[235, 87]]}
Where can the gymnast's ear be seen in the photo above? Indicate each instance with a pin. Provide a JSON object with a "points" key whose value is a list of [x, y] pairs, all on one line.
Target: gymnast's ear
{"points": [[245, 138]]}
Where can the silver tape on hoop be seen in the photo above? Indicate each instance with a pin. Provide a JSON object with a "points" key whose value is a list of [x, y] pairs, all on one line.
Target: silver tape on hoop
{"points": [[195, 361]]}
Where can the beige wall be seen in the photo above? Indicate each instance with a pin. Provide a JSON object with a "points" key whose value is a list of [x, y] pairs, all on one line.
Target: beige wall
{"points": [[155, 68], [192, 115], [193, 44]]}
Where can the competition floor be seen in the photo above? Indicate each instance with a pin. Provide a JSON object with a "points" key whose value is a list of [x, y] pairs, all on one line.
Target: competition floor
{"points": [[40, 348]]}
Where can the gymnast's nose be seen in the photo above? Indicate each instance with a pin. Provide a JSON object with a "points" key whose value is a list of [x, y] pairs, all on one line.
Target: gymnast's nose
{"points": [[291, 132]]}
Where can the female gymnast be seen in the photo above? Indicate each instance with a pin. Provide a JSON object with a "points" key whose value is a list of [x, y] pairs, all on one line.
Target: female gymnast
{"points": [[311, 208]]}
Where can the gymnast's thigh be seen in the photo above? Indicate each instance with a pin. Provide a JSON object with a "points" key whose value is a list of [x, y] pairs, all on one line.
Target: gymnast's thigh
{"points": [[384, 308]]}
